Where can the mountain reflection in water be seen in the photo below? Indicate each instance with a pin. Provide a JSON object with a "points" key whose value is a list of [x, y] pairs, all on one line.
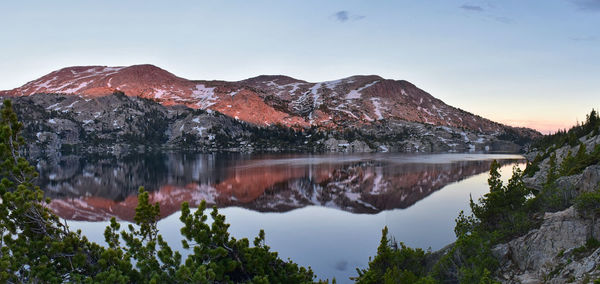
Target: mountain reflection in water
{"points": [[96, 189]]}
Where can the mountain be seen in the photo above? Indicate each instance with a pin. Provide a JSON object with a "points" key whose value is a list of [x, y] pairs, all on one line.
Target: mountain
{"points": [[267, 100], [116, 124]]}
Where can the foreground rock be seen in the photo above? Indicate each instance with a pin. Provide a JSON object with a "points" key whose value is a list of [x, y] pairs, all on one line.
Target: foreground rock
{"points": [[564, 249], [547, 254]]}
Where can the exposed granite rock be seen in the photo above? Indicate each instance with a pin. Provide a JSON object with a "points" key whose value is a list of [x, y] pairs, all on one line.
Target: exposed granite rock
{"points": [[556, 252], [590, 179], [118, 124], [541, 255], [539, 178]]}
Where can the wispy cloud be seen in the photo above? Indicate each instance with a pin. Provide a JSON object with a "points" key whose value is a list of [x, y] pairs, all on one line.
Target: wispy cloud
{"points": [[344, 16], [487, 10], [472, 8], [504, 20], [584, 38], [587, 5]]}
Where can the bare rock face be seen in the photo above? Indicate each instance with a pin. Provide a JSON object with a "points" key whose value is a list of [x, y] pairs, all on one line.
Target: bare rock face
{"points": [[117, 124], [545, 255], [585, 182], [268, 100], [557, 252], [590, 179]]}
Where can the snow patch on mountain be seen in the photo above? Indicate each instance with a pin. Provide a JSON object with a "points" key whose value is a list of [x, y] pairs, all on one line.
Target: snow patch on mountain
{"points": [[72, 89], [315, 94], [199, 129], [205, 96], [333, 84], [158, 93], [378, 108], [356, 94], [44, 85]]}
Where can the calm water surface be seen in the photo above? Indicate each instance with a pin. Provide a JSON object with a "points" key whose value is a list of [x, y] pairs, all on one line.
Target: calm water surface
{"points": [[324, 211]]}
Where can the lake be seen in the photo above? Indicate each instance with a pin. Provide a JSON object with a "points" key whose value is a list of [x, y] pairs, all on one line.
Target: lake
{"points": [[320, 210]]}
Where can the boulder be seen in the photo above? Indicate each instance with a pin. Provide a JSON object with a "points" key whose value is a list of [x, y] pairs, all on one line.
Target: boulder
{"points": [[590, 179]]}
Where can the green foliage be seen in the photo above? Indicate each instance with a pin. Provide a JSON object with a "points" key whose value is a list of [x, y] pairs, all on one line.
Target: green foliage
{"points": [[588, 205], [533, 166], [511, 134], [499, 215], [36, 247], [571, 137], [567, 163], [395, 264], [470, 259], [502, 210], [582, 160], [590, 245], [551, 199], [576, 164], [552, 174]]}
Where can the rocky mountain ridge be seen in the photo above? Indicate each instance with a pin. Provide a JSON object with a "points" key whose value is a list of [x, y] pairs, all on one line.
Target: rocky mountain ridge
{"points": [[268, 100], [118, 123]]}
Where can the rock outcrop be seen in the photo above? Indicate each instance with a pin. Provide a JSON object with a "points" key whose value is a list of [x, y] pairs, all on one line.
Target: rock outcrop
{"points": [[547, 254], [564, 249], [581, 182], [117, 124]]}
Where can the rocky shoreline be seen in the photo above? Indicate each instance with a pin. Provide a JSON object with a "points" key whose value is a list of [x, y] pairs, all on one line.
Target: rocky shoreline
{"points": [[117, 124]]}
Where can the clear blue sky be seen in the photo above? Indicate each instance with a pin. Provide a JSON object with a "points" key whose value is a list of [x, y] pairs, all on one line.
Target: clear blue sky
{"points": [[531, 63]]}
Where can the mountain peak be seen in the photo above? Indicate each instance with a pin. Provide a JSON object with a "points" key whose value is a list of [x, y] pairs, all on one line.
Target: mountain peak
{"points": [[266, 99]]}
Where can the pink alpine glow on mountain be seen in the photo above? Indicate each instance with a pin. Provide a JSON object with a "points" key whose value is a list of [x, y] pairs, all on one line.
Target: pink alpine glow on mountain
{"points": [[266, 100]]}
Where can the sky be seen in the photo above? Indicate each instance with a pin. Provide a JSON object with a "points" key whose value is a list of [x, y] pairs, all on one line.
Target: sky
{"points": [[533, 63]]}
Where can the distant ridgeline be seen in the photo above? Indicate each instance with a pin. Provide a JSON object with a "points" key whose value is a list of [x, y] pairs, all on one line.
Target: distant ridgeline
{"points": [[119, 124], [540, 227]]}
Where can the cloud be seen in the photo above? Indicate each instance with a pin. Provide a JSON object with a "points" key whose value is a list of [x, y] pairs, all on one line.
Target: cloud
{"points": [[344, 16], [587, 5], [472, 8], [584, 38], [504, 20], [486, 11]]}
